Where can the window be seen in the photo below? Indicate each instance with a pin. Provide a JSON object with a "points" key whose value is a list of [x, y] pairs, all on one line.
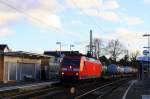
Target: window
{"points": [[71, 62]]}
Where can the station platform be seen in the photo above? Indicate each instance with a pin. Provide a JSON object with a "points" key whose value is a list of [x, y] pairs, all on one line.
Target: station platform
{"points": [[140, 89], [25, 85], [134, 89]]}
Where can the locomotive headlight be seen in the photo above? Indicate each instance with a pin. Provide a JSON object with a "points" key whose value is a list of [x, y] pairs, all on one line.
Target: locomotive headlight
{"points": [[70, 67], [77, 74], [62, 73]]}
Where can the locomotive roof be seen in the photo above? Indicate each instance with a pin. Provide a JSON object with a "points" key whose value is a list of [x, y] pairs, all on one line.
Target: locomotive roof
{"points": [[88, 58]]}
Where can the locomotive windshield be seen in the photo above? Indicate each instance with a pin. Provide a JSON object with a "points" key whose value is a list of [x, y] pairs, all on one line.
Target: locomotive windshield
{"points": [[71, 62]]}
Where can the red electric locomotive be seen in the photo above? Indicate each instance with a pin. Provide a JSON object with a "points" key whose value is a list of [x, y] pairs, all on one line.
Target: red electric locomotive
{"points": [[75, 68]]}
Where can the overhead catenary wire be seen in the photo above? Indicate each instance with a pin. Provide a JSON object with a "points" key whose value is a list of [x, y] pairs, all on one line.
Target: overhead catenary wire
{"points": [[81, 42], [38, 20], [29, 15], [19, 10], [89, 18], [95, 23]]}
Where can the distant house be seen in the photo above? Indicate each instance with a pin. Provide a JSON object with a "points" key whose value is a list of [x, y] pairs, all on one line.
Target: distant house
{"points": [[4, 48]]}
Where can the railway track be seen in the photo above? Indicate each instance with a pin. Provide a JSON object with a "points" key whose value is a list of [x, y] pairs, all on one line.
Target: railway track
{"points": [[66, 92], [94, 90], [26, 95], [100, 92], [42, 92]]}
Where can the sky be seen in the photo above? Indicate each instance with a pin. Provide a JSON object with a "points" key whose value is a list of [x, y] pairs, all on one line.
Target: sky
{"points": [[36, 25]]}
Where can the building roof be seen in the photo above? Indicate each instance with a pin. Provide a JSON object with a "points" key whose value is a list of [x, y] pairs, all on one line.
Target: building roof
{"points": [[3, 46], [57, 53], [26, 54]]}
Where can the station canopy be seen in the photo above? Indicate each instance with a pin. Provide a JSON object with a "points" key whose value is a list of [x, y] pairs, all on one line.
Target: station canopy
{"points": [[25, 54], [143, 58]]}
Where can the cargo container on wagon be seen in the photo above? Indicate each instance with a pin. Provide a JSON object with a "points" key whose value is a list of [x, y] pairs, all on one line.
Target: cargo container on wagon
{"points": [[112, 69]]}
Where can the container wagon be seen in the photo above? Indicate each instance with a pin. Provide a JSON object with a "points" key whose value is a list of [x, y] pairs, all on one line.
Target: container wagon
{"points": [[112, 69]]}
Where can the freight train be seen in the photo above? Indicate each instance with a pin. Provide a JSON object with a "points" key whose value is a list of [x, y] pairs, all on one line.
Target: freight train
{"points": [[77, 68]]}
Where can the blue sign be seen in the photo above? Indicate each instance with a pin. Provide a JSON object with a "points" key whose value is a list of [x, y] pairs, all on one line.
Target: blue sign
{"points": [[145, 52]]}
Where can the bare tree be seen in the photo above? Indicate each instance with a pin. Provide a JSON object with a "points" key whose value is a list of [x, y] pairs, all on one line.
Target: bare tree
{"points": [[97, 44], [134, 55], [115, 49], [96, 47]]}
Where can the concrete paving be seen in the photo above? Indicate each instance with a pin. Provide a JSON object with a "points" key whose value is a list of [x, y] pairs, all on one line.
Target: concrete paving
{"points": [[119, 92], [25, 85], [135, 89], [139, 90]]}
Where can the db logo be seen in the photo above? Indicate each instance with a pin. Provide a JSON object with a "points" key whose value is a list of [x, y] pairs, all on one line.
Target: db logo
{"points": [[145, 52]]}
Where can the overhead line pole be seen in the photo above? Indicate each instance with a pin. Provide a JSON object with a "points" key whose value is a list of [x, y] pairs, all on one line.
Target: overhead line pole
{"points": [[59, 43], [91, 42]]}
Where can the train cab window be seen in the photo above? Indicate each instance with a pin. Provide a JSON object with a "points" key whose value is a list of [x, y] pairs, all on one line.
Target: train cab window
{"points": [[92, 59], [71, 62]]}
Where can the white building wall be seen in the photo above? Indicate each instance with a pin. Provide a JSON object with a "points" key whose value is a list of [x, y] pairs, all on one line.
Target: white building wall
{"points": [[16, 68]]}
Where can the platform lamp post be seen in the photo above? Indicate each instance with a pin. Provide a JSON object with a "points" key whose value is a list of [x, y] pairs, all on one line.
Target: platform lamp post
{"points": [[148, 48], [71, 47], [146, 54], [59, 43]]}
